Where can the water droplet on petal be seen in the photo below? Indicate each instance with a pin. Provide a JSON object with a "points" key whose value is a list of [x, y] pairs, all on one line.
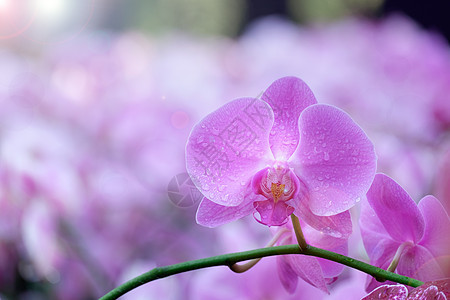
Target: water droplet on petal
{"points": [[215, 130], [355, 152]]}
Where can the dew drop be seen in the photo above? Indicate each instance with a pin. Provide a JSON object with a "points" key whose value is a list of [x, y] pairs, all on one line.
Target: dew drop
{"points": [[215, 130]]}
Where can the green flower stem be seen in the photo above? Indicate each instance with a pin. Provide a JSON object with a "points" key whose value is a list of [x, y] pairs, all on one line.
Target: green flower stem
{"points": [[298, 232], [232, 258]]}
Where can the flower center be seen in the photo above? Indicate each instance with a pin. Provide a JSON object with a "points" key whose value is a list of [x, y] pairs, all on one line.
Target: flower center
{"points": [[277, 190], [278, 185]]}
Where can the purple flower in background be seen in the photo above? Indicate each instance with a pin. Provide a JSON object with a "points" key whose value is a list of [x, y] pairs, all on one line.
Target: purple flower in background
{"points": [[394, 228], [280, 155]]}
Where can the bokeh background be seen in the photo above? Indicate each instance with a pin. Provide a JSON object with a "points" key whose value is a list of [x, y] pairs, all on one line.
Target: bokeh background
{"points": [[97, 99]]}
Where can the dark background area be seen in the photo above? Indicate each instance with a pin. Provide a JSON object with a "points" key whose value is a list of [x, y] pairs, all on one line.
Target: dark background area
{"points": [[433, 14]]}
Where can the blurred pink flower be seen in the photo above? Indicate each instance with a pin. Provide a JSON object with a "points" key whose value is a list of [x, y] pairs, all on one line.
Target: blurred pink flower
{"points": [[394, 227], [442, 187], [277, 156]]}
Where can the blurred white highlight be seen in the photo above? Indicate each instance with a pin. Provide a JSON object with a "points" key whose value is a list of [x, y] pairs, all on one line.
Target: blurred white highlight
{"points": [[53, 11]]}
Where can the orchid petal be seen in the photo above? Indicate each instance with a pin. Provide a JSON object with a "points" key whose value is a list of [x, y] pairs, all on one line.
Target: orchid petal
{"points": [[372, 230], [430, 292], [272, 214], [417, 262], [330, 268], [339, 226], [319, 239], [381, 257], [322, 240], [334, 158], [228, 147], [388, 292], [436, 290], [288, 97], [436, 237], [308, 268], [396, 210], [211, 214], [287, 275]]}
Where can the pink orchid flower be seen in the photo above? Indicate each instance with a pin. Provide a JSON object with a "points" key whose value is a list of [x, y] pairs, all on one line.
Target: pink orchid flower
{"points": [[394, 227], [280, 155], [318, 272]]}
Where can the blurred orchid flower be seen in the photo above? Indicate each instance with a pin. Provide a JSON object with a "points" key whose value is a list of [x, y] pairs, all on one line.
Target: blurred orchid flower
{"points": [[413, 240], [318, 272], [280, 155]]}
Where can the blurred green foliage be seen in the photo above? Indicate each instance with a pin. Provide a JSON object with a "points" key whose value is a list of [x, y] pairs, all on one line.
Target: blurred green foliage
{"points": [[310, 11], [210, 17]]}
